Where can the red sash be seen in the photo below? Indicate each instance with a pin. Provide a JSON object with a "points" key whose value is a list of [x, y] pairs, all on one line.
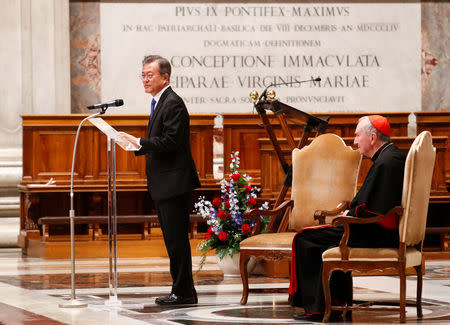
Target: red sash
{"points": [[390, 222]]}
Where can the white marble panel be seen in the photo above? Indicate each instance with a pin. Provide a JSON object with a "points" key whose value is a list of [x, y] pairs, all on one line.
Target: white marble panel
{"points": [[367, 54]]}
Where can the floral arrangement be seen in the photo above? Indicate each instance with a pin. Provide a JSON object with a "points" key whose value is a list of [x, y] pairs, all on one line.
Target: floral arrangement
{"points": [[224, 215]]}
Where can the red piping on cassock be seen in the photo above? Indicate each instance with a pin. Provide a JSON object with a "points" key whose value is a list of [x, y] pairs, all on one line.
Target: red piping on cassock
{"points": [[293, 278]]}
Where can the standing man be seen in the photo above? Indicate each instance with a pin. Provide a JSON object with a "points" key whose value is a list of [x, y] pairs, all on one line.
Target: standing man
{"points": [[171, 174], [380, 192]]}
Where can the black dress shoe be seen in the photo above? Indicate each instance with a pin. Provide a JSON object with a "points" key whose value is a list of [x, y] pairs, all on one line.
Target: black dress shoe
{"points": [[308, 317], [336, 316], [173, 299]]}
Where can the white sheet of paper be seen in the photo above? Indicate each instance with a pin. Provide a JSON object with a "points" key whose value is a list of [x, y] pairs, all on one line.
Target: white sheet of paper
{"points": [[112, 133]]}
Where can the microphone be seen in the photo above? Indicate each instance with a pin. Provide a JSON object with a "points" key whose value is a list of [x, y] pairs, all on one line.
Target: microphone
{"points": [[286, 83], [117, 102]]}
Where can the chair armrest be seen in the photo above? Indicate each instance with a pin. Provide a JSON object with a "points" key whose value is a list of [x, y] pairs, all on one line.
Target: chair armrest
{"points": [[342, 220], [256, 214], [346, 220], [322, 214]]}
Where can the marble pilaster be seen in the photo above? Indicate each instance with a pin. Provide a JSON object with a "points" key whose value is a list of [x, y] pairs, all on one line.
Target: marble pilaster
{"points": [[35, 65], [435, 56]]}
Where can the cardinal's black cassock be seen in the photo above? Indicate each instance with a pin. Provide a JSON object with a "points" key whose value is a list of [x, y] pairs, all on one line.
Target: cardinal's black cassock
{"points": [[380, 192]]}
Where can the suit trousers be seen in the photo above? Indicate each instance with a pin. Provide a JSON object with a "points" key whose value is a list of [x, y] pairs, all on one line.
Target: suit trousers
{"points": [[173, 216]]}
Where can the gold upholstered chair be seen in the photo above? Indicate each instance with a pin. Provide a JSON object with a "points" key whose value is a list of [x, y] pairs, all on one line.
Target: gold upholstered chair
{"points": [[413, 216], [325, 174]]}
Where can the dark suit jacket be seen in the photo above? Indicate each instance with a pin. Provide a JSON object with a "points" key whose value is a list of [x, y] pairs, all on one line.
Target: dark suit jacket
{"points": [[170, 168]]}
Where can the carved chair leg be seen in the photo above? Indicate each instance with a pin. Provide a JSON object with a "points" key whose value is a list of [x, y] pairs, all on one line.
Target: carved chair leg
{"points": [[444, 241], [348, 313], [326, 291], [402, 295], [290, 297], [419, 291], [244, 276]]}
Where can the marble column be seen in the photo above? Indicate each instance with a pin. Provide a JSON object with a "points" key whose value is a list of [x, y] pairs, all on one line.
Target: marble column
{"points": [[35, 65]]}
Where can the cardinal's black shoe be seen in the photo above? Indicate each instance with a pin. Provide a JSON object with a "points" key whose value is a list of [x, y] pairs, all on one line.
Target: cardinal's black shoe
{"points": [[173, 299], [336, 316], [308, 317]]}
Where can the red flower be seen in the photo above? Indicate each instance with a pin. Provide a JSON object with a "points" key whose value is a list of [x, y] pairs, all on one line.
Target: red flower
{"points": [[217, 202], [223, 236], [229, 215], [227, 204], [251, 201], [236, 177], [245, 228], [248, 188], [221, 215], [209, 233]]}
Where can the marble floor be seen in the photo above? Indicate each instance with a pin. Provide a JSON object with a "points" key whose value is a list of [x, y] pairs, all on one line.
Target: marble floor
{"points": [[32, 289]]}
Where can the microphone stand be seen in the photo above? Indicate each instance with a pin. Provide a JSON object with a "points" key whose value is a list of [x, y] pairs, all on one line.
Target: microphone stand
{"points": [[74, 303]]}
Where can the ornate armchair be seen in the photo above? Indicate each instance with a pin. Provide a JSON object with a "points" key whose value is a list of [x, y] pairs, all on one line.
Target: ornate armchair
{"points": [[413, 215], [325, 174]]}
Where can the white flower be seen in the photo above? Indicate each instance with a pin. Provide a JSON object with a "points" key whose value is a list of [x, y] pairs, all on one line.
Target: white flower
{"points": [[264, 206]]}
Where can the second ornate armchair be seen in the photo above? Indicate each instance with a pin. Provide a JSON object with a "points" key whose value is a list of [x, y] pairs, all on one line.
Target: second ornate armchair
{"points": [[413, 216], [325, 174]]}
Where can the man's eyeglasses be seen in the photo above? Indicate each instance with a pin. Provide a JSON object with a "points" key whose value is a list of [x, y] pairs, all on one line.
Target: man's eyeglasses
{"points": [[148, 76]]}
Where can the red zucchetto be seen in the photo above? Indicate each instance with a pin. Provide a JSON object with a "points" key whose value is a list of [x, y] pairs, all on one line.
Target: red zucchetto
{"points": [[381, 124]]}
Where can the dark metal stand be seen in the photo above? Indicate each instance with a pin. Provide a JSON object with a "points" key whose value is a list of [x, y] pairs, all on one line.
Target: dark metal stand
{"points": [[282, 112]]}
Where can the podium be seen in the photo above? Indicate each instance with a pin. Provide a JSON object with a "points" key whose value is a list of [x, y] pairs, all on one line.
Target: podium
{"points": [[113, 137]]}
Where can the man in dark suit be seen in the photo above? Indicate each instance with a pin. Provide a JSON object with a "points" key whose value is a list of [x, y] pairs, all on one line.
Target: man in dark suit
{"points": [[171, 174]]}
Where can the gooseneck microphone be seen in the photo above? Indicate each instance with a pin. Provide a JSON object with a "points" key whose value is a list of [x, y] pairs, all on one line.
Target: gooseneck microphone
{"points": [[287, 83], [117, 102]]}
